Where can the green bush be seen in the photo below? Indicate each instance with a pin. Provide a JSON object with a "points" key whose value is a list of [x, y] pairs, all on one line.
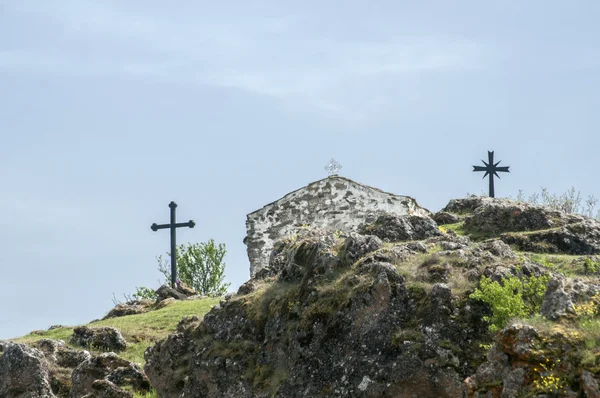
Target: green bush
{"points": [[200, 266], [534, 289], [144, 293], [505, 300], [591, 266], [511, 298]]}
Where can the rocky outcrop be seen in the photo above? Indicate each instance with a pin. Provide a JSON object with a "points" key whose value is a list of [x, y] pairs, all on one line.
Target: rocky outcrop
{"points": [[526, 227], [106, 389], [58, 353], [166, 291], [387, 310], [105, 374], [52, 369], [103, 338], [395, 228], [443, 217], [360, 338], [23, 372], [524, 361], [580, 238], [503, 215], [130, 308]]}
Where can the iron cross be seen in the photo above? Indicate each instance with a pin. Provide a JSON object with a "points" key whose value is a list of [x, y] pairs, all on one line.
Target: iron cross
{"points": [[172, 225], [491, 169]]}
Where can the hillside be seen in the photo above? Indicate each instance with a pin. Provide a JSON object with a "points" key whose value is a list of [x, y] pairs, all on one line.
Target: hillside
{"points": [[393, 310], [139, 331], [486, 298]]}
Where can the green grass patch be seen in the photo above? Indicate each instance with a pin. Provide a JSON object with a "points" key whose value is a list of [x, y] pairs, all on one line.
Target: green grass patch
{"points": [[472, 233], [140, 331], [458, 227], [150, 394], [566, 264]]}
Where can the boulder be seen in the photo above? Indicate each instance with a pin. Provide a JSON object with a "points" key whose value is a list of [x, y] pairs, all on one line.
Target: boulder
{"points": [[503, 215], [164, 303], [165, 291], [557, 302], [104, 338], [498, 248], [23, 372], [111, 368], [394, 228], [49, 347], [185, 289], [443, 217], [248, 287], [106, 389], [56, 327], [467, 205], [129, 308], [58, 353], [315, 251], [589, 385], [356, 246], [514, 343], [68, 357]]}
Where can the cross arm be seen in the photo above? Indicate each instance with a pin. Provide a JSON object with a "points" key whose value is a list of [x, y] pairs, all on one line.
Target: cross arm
{"points": [[479, 168], [504, 168], [156, 227]]}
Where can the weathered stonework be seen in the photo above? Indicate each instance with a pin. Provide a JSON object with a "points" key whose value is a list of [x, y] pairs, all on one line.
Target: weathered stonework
{"points": [[334, 203]]}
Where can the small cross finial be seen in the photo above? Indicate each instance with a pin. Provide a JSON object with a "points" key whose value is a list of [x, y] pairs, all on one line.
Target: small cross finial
{"points": [[332, 167]]}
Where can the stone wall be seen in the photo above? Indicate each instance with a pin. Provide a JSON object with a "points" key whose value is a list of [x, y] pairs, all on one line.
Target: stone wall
{"points": [[334, 203]]}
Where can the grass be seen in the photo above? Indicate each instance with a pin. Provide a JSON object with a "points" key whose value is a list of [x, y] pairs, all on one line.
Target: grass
{"points": [[566, 264], [474, 235], [140, 331], [458, 227], [414, 270], [151, 394]]}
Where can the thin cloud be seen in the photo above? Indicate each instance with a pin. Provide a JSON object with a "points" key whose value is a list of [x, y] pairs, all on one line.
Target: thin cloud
{"points": [[264, 56]]}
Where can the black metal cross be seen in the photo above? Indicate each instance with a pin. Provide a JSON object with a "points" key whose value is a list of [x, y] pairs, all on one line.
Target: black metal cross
{"points": [[491, 169], [172, 225]]}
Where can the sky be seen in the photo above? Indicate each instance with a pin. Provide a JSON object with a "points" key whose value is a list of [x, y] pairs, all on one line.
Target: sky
{"points": [[109, 110]]}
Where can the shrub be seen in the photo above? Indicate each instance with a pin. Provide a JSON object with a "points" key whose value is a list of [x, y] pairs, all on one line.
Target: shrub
{"points": [[505, 300], [591, 266], [569, 202], [511, 298], [144, 293], [200, 266]]}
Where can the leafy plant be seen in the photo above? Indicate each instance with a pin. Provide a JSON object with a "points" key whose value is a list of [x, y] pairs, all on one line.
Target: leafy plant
{"points": [[534, 289], [511, 298], [591, 266], [200, 266], [144, 293], [505, 300]]}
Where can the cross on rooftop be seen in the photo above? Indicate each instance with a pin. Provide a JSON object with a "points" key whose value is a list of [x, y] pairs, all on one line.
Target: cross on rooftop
{"points": [[333, 167], [491, 169], [173, 225]]}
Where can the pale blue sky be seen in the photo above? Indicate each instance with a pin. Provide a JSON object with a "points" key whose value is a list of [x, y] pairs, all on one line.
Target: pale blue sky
{"points": [[111, 109]]}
